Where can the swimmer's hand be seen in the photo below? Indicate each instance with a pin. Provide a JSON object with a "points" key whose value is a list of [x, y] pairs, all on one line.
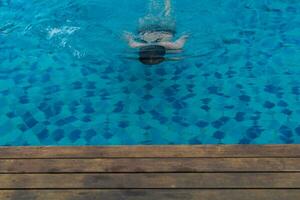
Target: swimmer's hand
{"points": [[131, 41], [128, 36], [177, 45], [183, 38]]}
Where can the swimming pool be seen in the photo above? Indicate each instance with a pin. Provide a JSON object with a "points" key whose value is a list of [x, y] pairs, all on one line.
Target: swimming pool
{"points": [[64, 79]]}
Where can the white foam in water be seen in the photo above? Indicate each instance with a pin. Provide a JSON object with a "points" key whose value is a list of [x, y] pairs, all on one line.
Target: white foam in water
{"points": [[65, 30], [77, 53]]}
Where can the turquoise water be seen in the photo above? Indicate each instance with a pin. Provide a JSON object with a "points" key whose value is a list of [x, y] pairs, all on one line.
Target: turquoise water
{"points": [[64, 79]]}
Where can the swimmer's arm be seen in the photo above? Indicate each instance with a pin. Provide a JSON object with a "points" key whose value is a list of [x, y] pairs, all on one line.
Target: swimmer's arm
{"points": [[134, 44], [131, 42], [178, 44]]}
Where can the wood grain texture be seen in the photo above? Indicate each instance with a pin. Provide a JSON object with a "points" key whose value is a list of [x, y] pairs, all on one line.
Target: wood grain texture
{"points": [[150, 165], [215, 151], [151, 181], [150, 194], [150, 172]]}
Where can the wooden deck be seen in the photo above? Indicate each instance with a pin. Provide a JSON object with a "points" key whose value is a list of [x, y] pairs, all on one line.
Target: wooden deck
{"points": [[150, 173]]}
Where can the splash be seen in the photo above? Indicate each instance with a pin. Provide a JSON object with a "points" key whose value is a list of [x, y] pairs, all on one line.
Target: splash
{"points": [[65, 30], [157, 8], [158, 14]]}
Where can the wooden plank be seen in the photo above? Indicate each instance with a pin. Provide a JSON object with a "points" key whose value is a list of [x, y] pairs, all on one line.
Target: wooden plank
{"points": [[150, 165], [151, 181], [150, 194], [152, 151]]}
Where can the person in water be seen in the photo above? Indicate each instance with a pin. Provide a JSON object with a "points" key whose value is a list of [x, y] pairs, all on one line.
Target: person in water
{"points": [[155, 36]]}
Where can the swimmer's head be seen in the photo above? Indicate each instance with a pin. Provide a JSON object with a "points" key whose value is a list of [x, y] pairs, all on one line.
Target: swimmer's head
{"points": [[152, 55]]}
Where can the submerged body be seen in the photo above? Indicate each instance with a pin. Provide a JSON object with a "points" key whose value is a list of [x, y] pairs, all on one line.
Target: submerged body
{"points": [[155, 36]]}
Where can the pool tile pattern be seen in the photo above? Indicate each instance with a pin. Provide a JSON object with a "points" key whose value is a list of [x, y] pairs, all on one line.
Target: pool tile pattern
{"points": [[246, 90]]}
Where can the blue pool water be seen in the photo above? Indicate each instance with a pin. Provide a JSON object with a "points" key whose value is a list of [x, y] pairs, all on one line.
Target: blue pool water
{"points": [[64, 79]]}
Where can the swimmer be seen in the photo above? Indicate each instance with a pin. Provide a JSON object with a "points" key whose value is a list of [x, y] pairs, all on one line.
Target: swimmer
{"points": [[155, 36]]}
